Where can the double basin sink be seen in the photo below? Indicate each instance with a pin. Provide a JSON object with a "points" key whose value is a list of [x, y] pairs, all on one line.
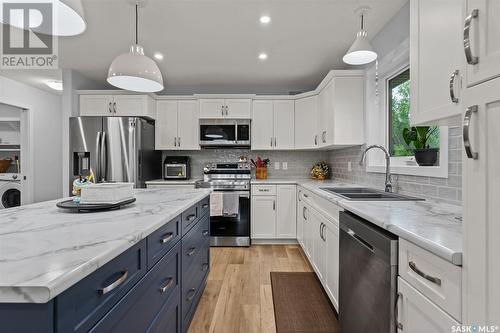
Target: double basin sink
{"points": [[368, 194]]}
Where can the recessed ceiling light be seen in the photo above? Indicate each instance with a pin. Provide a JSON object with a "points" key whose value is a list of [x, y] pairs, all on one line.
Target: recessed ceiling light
{"points": [[265, 19], [55, 84], [262, 56], [158, 56]]}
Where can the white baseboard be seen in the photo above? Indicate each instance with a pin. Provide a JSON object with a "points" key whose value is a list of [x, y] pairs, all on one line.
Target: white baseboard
{"points": [[274, 241]]}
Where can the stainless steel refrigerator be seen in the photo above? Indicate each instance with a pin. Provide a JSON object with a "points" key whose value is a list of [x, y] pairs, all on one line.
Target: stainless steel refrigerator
{"points": [[116, 149]]}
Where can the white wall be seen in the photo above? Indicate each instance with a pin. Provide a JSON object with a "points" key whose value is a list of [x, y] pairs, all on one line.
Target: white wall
{"points": [[72, 81], [46, 124]]}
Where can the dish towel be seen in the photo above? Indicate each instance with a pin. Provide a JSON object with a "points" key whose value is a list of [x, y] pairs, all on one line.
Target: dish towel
{"points": [[216, 203], [231, 206]]}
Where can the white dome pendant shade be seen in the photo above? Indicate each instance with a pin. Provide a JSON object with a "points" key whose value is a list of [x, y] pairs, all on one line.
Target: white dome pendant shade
{"points": [[69, 19], [134, 71], [361, 52]]}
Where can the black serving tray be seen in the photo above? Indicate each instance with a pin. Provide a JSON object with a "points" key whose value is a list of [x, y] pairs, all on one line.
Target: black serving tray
{"points": [[74, 207]]}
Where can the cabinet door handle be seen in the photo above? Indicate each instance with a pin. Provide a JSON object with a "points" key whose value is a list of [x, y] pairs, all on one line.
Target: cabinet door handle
{"points": [[115, 284], [191, 251], [396, 312], [109, 107], [167, 286], [227, 110], [204, 206], [323, 136], [316, 140], [191, 291], [271, 141], [190, 217], [179, 141], [114, 107], [204, 267], [466, 132], [432, 279], [454, 75], [205, 233], [274, 204], [306, 196], [323, 232], [471, 59], [167, 238], [304, 213], [175, 142], [222, 110]]}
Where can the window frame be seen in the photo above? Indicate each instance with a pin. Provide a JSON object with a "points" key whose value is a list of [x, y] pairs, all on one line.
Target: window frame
{"points": [[401, 165]]}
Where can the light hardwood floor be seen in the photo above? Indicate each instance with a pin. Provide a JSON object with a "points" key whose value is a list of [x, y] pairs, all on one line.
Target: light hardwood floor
{"points": [[238, 295]]}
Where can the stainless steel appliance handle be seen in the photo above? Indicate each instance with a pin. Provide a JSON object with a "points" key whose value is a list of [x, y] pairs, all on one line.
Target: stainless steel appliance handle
{"points": [[430, 278], [471, 59], [97, 175], [241, 194], [360, 240], [396, 312], [115, 284], [167, 238], [167, 286], [454, 75], [466, 132], [103, 160]]}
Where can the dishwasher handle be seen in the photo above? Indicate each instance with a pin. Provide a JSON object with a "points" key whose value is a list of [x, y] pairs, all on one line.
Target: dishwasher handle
{"points": [[360, 240]]}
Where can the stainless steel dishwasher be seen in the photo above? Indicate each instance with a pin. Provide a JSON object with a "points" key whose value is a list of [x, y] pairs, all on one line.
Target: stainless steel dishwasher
{"points": [[368, 275]]}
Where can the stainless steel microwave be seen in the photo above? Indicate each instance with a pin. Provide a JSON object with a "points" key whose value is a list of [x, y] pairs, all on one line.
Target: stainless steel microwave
{"points": [[224, 132]]}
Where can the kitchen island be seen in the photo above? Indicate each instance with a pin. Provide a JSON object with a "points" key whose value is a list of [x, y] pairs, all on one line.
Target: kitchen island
{"points": [[62, 271]]}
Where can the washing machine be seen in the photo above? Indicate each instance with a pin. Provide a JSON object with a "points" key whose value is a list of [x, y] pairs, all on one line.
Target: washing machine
{"points": [[10, 190]]}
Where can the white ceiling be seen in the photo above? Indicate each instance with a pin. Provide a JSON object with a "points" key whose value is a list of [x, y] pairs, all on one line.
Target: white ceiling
{"points": [[212, 45]]}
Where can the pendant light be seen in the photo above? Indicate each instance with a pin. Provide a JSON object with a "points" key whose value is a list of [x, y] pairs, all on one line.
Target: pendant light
{"points": [[69, 19], [133, 70], [361, 52]]}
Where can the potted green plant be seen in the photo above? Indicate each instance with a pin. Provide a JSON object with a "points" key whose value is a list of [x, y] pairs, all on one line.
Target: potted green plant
{"points": [[419, 138]]}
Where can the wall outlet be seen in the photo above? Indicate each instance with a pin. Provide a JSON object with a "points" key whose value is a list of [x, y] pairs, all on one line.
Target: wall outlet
{"points": [[276, 165], [349, 166], [285, 165]]}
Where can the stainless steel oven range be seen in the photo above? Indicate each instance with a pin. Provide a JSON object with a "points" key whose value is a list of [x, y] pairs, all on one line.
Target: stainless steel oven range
{"points": [[230, 202]]}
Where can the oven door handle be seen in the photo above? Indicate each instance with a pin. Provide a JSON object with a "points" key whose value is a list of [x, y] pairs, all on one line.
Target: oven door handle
{"points": [[241, 194]]}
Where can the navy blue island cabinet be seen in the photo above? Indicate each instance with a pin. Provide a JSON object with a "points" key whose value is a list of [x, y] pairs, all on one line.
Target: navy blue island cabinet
{"points": [[154, 286]]}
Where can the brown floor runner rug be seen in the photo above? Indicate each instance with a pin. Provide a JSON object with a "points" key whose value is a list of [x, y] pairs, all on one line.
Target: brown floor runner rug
{"points": [[301, 305]]}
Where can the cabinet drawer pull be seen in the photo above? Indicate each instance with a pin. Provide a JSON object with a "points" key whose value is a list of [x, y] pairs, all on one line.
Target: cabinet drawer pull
{"points": [[115, 284], [191, 251], [204, 206], [204, 267], [454, 99], [167, 286], [432, 279], [167, 238], [471, 59], [306, 196], [466, 131], [263, 190], [205, 233], [191, 217], [191, 291]]}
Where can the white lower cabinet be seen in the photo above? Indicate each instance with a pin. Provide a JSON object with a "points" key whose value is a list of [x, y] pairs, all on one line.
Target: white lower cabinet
{"points": [[318, 235], [263, 224], [331, 284], [273, 213], [416, 313]]}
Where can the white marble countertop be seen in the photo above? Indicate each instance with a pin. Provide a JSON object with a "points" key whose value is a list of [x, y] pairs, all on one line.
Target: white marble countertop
{"points": [[44, 250], [433, 225], [172, 182]]}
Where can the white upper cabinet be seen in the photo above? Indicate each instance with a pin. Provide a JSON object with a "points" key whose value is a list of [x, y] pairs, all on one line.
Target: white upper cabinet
{"points": [[262, 125], [482, 30], [177, 125], [284, 124], [117, 106], [225, 108], [306, 123], [273, 124], [341, 111], [436, 61]]}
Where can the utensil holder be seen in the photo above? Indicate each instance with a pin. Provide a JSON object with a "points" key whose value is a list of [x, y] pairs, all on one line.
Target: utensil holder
{"points": [[261, 173]]}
